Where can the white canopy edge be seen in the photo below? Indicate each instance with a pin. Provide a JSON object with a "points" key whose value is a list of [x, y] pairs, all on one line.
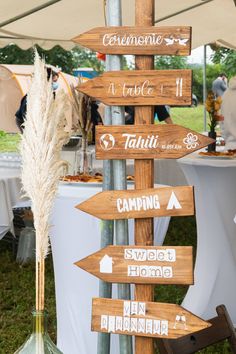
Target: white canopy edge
{"points": [[211, 20]]}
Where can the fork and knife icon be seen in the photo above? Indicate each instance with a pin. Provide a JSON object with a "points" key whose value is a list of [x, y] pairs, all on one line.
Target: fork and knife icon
{"points": [[179, 87]]}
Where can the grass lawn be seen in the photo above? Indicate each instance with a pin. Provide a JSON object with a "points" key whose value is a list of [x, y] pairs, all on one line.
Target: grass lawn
{"points": [[189, 117], [17, 294], [17, 291], [9, 142]]}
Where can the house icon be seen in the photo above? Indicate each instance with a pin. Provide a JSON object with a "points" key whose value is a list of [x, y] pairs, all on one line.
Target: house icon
{"points": [[106, 264]]}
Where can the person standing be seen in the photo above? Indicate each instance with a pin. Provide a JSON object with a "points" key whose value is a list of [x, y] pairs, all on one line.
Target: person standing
{"points": [[21, 112], [219, 85], [160, 114], [228, 110]]}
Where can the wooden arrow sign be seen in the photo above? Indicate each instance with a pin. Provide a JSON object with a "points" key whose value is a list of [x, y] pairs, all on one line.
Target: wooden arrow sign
{"points": [[147, 319], [141, 87], [140, 203], [161, 141], [141, 265], [138, 40]]}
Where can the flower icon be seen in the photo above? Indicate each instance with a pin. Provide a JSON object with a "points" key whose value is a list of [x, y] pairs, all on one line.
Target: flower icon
{"points": [[191, 141]]}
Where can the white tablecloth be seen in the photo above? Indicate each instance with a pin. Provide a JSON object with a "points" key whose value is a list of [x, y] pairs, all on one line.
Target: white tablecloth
{"points": [[10, 192], [215, 269], [75, 235], [166, 171]]}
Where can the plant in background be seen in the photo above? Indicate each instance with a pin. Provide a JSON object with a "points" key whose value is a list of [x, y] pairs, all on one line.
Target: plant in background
{"points": [[42, 141], [82, 107], [2, 134], [213, 105]]}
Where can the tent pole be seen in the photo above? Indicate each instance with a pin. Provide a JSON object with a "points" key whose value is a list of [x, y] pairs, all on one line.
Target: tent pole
{"points": [[114, 115], [27, 13], [182, 11], [107, 230], [204, 86]]}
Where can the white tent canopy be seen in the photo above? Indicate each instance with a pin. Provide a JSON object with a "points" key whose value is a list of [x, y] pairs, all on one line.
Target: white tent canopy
{"points": [[48, 23], [14, 84]]}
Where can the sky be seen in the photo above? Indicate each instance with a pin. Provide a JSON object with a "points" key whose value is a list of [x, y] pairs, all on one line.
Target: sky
{"points": [[197, 55]]}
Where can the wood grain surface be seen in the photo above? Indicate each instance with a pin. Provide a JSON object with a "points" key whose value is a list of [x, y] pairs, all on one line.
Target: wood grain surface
{"points": [[141, 87], [168, 40], [136, 264], [144, 203], [174, 320], [147, 141]]}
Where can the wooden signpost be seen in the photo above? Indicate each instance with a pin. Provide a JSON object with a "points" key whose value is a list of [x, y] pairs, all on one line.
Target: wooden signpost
{"points": [[147, 141], [145, 319], [144, 203], [141, 265], [141, 88], [152, 40]]}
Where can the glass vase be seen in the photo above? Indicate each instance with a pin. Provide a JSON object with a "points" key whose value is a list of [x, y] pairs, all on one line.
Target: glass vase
{"points": [[39, 341], [212, 147], [85, 159]]}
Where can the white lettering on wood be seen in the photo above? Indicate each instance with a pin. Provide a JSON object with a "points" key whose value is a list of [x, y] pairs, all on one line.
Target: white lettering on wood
{"points": [[150, 39], [149, 271], [143, 89], [143, 254], [135, 325], [111, 324], [149, 202], [134, 308], [134, 142], [104, 322]]}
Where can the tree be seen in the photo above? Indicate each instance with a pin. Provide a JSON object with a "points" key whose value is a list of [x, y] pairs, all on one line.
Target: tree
{"points": [[86, 58], [170, 62], [57, 56], [12, 54], [227, 58], [212, 71]]}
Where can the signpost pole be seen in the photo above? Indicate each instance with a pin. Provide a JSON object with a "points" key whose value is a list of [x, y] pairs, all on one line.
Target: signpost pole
{"points": [[144, 169], [119, 168]]}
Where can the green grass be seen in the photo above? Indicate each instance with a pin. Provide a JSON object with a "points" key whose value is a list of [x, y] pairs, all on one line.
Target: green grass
{"points": [[9, 142], [17, 291], [17, 294], [189, 117], [17, 299]]}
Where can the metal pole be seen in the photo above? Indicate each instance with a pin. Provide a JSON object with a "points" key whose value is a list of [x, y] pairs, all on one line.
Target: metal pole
{"points": [[204, 87], [29, 12], [107, 230], [119, 168]]}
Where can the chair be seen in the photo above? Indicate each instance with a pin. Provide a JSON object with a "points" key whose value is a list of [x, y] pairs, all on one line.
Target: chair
{"points": [[222, 328]]}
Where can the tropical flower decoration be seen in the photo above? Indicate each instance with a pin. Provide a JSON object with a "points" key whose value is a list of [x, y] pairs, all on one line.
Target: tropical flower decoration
{"points": [[213, 105], [191, 141]]}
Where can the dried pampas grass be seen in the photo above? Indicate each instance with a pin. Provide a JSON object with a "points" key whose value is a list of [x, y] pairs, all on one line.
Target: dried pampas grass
{"points": [[42, 140], [82, 108]]}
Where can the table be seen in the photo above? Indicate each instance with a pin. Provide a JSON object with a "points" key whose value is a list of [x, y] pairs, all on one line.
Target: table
{"points": [[214, 181], [166, 171], [75, 235], [10, 194]]}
